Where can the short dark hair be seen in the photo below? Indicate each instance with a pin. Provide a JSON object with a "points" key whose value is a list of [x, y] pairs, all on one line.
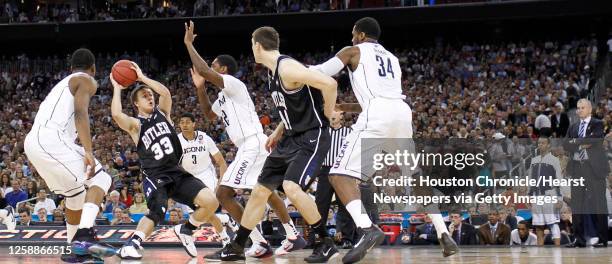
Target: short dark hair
{"points": [[369, 26], [82, 59], [454, 211], [526, 223], [24, 210], [267, 37], [229, 62], [188, 115], [134, 92]]}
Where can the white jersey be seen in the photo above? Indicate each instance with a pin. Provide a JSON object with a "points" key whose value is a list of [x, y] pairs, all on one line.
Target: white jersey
{"points": [[235, 107], [57, 110], [378, 75], [197, 152]]}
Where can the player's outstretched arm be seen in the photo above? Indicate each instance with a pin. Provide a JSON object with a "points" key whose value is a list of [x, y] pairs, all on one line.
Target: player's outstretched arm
{"points": [[165, 98], [333, 66], [203, 99], [125, 122], [296, 73], [83, 88], [200, 64]]}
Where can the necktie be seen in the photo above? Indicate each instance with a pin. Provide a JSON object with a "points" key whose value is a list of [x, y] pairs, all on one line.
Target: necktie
{"points": [[581, 134], [493, 231]]}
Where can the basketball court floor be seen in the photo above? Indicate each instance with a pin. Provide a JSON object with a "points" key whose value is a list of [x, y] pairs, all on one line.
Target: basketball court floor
{"points": [[385, 255]]}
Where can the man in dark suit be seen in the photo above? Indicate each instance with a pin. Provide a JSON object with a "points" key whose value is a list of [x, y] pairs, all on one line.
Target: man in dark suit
{"points": [[508, 219], [494, 232], [462, 233], [426, 233], [584, 142], [559, 121]]}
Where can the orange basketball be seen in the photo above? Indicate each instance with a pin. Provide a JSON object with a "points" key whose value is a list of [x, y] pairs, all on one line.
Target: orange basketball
{"points": [[123, 73]]}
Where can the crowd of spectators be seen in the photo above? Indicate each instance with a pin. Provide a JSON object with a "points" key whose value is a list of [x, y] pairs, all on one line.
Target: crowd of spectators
{"points": [[469, 90], [58, 12]]}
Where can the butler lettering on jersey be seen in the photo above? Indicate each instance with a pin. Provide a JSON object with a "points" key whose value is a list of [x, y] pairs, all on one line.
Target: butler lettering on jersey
{"points": [[279, 99], [154, 132]]}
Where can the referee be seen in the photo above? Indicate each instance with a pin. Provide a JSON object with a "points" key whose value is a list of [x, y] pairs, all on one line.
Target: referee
{"points": [[325, 192]]}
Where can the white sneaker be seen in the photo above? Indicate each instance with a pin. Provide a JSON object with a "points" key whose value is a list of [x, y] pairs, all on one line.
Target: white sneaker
{"points": [[130, 252], [187, 241], [289, 245], [259, 250], [10, 222], [592, 241]]}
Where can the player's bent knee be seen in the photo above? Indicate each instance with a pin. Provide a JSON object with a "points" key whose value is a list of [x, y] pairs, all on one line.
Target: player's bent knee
{"points": [[260, 192], [102, 180], [206, 199], [291, 188]]}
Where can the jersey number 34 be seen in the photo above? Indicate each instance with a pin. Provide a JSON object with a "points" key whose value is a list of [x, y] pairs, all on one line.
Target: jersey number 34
{"points": [[385, 69]]}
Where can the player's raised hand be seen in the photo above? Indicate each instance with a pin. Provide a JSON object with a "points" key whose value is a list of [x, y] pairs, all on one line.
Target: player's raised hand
{"points": [[138, 71], [90, 164], [198, 80], [189, 35], [115, 83]]}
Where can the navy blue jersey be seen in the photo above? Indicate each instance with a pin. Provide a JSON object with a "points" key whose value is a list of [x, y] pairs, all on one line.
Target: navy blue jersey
{"points": [[159, 147], [301, 109]]}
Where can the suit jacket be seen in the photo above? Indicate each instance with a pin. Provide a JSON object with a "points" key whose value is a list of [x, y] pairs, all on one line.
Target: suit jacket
{"points": [[511, 222], [502, 234], [432, 237], [596, 156], [467, 235], [560, 126]]}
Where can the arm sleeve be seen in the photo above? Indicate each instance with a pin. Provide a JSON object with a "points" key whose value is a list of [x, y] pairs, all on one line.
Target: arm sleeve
{"points": [[330, 68], [212, 147]]}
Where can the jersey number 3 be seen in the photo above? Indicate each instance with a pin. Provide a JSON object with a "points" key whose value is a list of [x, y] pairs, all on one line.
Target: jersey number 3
{"points": [[165, 147], [384, 69]]}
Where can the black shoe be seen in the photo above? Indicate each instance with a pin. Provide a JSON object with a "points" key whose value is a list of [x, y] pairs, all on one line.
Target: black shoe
{"points": [[73, 258], [346, 244], [370, 237], [601, 245], [231, 252], [449, 247], [575, 245], [323, 251]]}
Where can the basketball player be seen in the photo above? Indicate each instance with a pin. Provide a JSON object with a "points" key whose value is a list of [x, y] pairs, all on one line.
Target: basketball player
{"points": [[197, 150], [546, 166], [375, 76], [159, 150], [235, 107], [299, 144], [67, 168]]}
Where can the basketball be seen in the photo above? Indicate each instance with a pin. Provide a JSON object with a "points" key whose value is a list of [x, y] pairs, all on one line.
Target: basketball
{"points": [[123, 73]]}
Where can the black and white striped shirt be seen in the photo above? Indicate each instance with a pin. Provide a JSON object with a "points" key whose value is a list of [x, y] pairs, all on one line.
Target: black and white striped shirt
{"points": [[337, 138]]}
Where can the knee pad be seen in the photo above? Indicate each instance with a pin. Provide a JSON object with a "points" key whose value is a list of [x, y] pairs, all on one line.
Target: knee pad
{"points": [[102, 180], [555, 231], [75, 202]]}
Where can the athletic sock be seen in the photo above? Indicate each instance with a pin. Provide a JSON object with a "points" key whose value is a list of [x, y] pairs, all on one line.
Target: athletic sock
{"points": [[71, 231], [438, 222], [290, 230], [137, 237], [242, 235], [88, 215], [257, 237], [320, 230], [355, 208]]}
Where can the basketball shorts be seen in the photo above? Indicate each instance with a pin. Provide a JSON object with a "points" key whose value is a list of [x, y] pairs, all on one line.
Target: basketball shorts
{"points": [[59, 161], [174, 182], [388, 122], [208, 177], [243, 172], [296, 158]]}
